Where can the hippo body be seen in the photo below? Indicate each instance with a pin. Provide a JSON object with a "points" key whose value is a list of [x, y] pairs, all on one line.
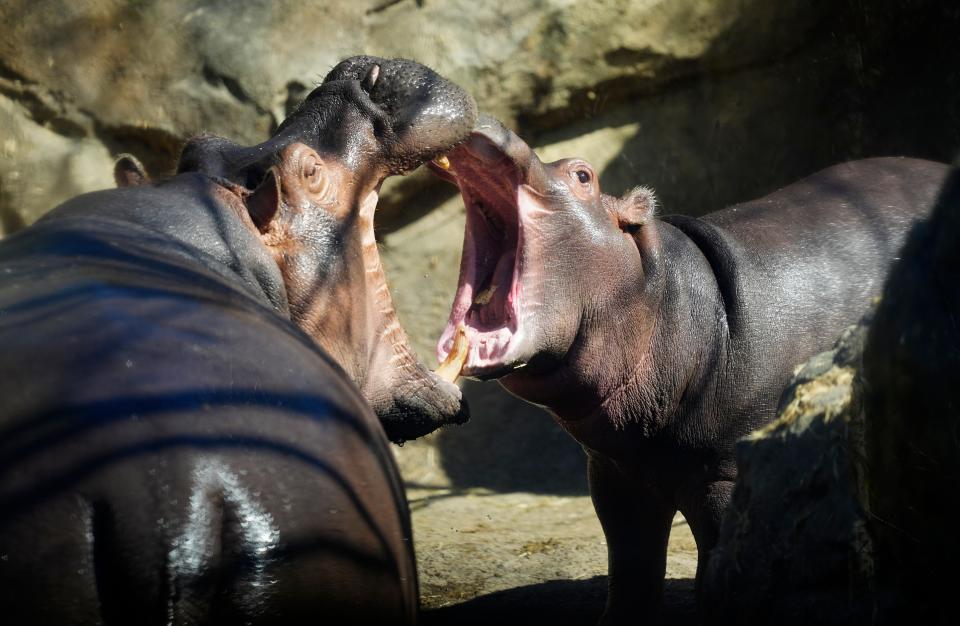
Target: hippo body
{"points": [[173, 450], [658, 343], [194, 372], [750, 292]]}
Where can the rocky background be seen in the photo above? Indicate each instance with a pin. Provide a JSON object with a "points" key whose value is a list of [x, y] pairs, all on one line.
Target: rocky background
{"points": [[707, 101]]}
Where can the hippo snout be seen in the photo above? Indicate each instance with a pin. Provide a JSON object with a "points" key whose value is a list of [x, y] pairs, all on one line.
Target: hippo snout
{"points": [[425, 112]]}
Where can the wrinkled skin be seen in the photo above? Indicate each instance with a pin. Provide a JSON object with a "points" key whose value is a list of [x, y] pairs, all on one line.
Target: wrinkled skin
{"points": [[657, 343], [185, 434]]}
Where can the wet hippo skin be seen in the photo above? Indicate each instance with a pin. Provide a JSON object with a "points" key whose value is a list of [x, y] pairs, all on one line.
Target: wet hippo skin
{"points": [[193, 372], [658, 342]]}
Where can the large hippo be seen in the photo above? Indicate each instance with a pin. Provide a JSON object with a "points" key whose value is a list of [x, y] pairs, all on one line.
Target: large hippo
{"points": [[188, 368], [657, 343]]}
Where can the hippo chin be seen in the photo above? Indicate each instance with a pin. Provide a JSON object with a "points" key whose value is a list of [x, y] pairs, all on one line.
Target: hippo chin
{"points": [[658, 343], [185, 426]]}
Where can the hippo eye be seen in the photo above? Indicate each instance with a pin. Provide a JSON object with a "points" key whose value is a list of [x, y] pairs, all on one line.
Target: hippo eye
{"points": [[583, 176]]}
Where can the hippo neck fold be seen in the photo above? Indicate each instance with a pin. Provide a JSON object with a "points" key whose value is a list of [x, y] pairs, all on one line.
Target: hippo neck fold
{"points": [[688, 345]]}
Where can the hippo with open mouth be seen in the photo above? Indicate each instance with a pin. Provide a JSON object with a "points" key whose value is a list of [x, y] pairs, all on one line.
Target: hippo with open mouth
{"points": [[386, 119], [189, 366], [658, 343]]}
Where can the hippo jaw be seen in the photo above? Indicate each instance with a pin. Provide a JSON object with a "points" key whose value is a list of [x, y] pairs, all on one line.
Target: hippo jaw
{"points": [[499, 288], [409, 399]]}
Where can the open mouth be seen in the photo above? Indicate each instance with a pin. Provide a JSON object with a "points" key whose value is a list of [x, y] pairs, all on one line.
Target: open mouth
{"points": [[409, 399], [489, 295]]}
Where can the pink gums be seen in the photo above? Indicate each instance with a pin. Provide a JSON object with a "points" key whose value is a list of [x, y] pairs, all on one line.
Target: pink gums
{"points": [[487, 347]]}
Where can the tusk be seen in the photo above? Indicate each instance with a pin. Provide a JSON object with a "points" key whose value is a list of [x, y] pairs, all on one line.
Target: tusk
{"points": [[449, 370], [442, 162]]}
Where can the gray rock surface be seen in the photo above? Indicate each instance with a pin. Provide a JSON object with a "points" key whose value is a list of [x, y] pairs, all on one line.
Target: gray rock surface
{"points": [[710, 101], [794, 546], [41, 167], [909, 405]]}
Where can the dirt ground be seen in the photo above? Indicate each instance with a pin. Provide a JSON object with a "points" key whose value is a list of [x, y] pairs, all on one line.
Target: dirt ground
{"points": [[504, 529]]}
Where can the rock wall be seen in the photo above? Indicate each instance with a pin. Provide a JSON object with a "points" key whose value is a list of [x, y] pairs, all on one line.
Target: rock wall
{"points": [[910, 406], [794, 547], [708, 100]]}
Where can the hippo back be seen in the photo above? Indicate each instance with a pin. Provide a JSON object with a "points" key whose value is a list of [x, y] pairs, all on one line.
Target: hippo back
{"points": [[173, 450], [796, 267]]}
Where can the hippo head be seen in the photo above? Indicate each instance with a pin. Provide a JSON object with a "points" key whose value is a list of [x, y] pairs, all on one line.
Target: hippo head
{"points": [[543, 253], [309, 194]]}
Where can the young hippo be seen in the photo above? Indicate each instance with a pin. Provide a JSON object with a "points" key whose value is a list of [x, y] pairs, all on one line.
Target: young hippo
{"points": [[658, 343]]}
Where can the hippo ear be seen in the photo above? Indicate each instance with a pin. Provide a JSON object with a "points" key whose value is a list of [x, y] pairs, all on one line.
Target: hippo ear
{"points": [[634, 209], [264, 201], [128, 171]]}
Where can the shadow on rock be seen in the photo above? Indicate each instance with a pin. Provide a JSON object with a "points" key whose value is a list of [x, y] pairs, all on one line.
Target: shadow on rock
{"points": [[509, 445], [558, 603]]}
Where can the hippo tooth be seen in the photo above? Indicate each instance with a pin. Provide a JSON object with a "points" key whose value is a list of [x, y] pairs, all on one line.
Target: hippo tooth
{"points": [[449, 370], [483, 298], [442, 162]]}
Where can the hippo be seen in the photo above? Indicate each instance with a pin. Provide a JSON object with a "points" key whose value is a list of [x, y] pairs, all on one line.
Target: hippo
{"points": [[193, 372], [657, 343]]}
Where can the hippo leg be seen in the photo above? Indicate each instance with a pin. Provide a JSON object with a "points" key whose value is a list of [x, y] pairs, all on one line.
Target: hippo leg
{"points": [[636, 522], [703, 508]]}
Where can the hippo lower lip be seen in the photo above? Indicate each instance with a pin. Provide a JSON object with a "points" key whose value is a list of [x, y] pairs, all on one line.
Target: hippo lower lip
{"points": [[489, 296]]}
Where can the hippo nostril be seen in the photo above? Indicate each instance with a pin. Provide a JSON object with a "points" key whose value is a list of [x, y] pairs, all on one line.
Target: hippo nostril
{"points": [[371, 78]]}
